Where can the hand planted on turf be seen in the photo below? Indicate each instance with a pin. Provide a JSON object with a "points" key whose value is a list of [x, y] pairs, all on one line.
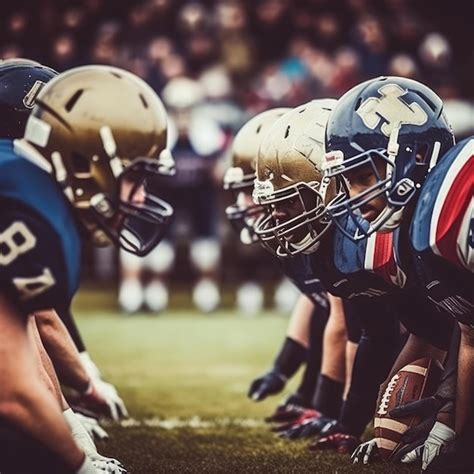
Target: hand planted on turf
{"points": [[342, 443], [105, 466], [309, 427], [305, 414], [108, 402], [92, 427], [270, 383], [427, 409], [365, 452], [414, 438], [291, 408], [439, 436]]}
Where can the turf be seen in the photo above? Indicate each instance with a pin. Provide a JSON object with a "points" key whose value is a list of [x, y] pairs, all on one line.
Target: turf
{"points": [[184, 378]]}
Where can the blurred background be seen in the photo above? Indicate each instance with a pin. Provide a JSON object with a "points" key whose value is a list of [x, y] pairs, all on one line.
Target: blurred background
{"points": [[215, 64]]}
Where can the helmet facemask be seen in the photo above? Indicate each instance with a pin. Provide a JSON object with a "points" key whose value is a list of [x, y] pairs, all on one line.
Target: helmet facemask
{"points": [[136, 218], [310, 219], [243, 213], [393, 130], [390, 169]]}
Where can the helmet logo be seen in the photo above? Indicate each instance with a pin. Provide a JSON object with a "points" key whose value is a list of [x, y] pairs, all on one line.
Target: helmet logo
{"points": [[30, 97], [391, 109], [262, 189]]}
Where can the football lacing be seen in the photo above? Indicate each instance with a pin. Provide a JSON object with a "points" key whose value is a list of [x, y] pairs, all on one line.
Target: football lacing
{"points": [[383, 408]]}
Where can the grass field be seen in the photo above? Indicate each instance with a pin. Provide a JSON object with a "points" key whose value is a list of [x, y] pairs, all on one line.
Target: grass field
{"points": [[184, 379]]}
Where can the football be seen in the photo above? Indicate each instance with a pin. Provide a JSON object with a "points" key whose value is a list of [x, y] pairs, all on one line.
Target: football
{"points": [[413, 382]]}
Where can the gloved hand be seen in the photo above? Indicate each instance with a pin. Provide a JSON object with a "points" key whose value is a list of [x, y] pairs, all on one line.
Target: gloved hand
{"points": [[439, 436], [101, 397], [85, 442], [99, 467], [268, 384], [109, 467], [309, 427], [428, 409], [365, 452], [92, 426], [288, 411], [306, 414], [335, 437], [342, 443]]}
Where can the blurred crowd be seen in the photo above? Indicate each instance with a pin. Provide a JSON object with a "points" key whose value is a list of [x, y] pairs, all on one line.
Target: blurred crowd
{"points": [[260, 52], [215, 63]]}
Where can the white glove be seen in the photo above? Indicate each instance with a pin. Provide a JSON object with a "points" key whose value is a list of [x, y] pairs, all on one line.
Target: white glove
{"points": [[438, 437], [109, 393], [99, 467], [92, 427], [102, 390], [87, 467], [109, 467], [89, 365], [364, 451], [84, 441]]}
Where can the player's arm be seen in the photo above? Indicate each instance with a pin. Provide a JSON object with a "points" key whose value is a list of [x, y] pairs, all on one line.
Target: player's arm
{"points": [[291, 355], [62, 351], [93, 393], [25, 402]]}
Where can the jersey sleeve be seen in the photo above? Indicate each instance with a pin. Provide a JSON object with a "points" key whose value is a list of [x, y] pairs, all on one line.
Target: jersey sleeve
{"points": [[443, 222], [32, 264]]}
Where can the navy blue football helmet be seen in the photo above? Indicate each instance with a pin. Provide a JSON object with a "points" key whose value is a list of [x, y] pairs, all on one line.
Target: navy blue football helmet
{"points": [[20, 82], [393, 119]]}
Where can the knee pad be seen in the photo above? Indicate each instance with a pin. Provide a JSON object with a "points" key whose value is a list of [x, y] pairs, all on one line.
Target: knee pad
{"points": [[206, 295], [250, 298], [161, 259], [131, 295], [286, 295], [131, 262], [205, 254]]}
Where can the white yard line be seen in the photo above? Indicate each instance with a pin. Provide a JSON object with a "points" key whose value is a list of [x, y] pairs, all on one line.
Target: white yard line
{"points": [[195, 422]]}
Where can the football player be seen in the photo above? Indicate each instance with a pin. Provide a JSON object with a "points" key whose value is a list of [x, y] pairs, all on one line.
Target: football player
{"points": [[290, 185], [387, 135], [304, 336], [21, 80], [93, 139], [442, 237]]}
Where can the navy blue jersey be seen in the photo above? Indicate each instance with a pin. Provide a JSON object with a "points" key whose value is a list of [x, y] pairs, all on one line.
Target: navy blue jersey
{"points": [[442, 233], [40, 248], [298, 269], [370, 273]]}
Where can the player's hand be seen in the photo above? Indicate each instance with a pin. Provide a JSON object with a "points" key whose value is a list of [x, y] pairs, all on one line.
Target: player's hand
{"points": [[439, 436], [105, 399], [441, 403], [309, 427], [414, 438], [342, 443], [365, 452], [110, 465], [115, 403], [305, 414], [90, 466], [289, 410], [268, 384], [92, 427]]}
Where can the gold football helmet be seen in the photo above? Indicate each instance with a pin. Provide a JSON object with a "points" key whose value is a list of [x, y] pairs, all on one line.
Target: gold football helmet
{"points": [[290, 185], [239, 178], [101, 132]]}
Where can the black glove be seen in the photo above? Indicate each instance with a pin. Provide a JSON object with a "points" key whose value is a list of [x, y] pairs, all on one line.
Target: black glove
{"points": [[290, 410], [304, 414], [309, 427], [268, 384]]}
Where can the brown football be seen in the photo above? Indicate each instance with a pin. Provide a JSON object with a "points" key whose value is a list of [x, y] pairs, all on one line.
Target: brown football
{"points": [[417, 380]]}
